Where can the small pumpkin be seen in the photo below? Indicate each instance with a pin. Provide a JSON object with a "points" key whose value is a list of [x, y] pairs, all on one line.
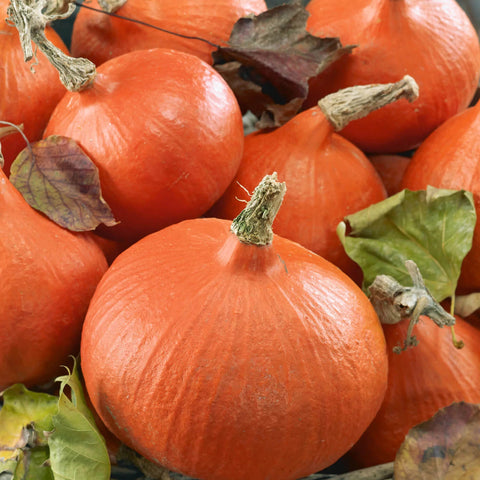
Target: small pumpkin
{"points": [[165, 131], [433, 41], [329, 176], [219, 350], [450, 158], [47, 277], [421, 380], [29, 93], [100, 37]]}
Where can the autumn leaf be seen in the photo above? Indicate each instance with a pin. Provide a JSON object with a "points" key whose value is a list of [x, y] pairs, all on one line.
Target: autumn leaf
{"points": [[446, 446], [270, 59], [56, 177]]}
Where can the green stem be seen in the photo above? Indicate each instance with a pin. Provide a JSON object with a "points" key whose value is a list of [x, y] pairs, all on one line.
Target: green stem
{"points": [[253, 225]]}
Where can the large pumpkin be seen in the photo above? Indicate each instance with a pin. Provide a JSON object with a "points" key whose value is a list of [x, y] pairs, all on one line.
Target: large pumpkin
{"points": [[230, 359]]}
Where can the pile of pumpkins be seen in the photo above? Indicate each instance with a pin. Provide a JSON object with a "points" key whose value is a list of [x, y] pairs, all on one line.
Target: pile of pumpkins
{"points": [[212, 354]]}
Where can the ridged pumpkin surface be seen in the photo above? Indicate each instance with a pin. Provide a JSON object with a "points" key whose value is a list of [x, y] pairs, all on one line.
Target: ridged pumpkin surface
{"points": [[230, 361]]}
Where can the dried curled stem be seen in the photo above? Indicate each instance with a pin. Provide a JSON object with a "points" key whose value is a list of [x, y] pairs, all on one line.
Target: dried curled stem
{"points": [[394, 302], [353, 103], [31, 17], [254, 223]]}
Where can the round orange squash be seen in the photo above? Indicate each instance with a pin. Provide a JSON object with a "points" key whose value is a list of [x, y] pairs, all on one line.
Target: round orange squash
{"points": [[225, 357]]}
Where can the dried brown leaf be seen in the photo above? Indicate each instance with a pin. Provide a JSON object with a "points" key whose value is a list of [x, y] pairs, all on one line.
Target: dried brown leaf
{"points": [[274, 58], [56, 177], [445, 447]]}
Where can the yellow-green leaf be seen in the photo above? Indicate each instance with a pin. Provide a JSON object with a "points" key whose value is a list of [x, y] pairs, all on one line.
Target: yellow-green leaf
{"points": [[432, 227]]}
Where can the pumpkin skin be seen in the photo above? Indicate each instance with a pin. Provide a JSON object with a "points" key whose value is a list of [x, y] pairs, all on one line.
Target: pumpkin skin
{"points": [[421, 380], [28, 98], [164, 130], [45, 290], [225, 360], [328, 179], [450, 158], [391, 169], [431, 40], [100, 37]]}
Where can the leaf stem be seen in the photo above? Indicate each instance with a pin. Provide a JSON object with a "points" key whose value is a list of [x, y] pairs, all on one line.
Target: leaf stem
{"points": [[145, 24], [457, 343]]}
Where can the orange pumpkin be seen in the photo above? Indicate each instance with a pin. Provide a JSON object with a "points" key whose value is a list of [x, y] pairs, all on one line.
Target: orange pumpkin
{"points": [[29, 93], [47, 277], [431, 40], [225, 357], [100, 37], [165, 131], [329, 177], [450, 158], [421, 380], [391, 169]]}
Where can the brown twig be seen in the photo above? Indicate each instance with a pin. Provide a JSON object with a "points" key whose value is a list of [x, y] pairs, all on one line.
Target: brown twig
{"points": [[378, 472]]}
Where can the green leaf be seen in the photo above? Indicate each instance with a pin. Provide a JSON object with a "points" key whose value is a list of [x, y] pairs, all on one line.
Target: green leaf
{"points": [[77, 449], [32, 465], [23, 415], [446, 446], [47, 437], [25, 420], [56, 177], [432, 227]]}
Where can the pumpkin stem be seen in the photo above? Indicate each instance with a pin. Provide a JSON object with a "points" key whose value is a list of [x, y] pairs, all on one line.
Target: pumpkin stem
{"points": [[393, 303], [353, 103], [253, 225], [31, 21]]}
